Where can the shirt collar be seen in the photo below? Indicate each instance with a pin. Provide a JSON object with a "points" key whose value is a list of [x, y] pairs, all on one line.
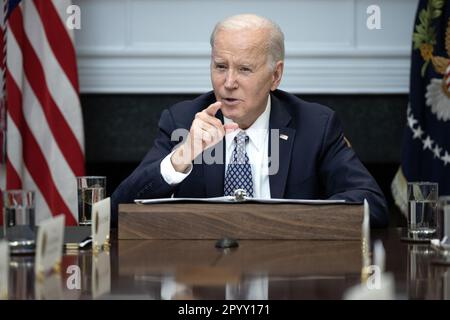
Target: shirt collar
{"points": [[257, 132]]}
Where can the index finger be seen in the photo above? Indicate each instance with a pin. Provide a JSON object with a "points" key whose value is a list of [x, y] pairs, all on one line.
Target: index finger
{"points": [[213, 108]]}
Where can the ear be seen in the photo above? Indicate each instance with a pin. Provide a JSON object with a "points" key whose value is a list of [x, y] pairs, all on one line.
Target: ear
{"points": [[277, 74]]}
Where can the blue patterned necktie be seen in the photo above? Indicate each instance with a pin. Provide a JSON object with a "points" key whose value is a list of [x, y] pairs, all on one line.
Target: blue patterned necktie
{"points": [[239, 171]]}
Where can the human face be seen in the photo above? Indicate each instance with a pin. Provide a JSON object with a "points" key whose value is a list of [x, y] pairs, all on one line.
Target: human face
{"points": [[240, 74]]}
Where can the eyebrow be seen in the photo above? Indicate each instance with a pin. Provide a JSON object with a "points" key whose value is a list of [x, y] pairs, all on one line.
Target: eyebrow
{"points": [[248, 64], [241, 64]]}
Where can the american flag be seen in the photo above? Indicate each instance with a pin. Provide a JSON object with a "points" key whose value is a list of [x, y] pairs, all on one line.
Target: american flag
{"points": [[44, 128]]}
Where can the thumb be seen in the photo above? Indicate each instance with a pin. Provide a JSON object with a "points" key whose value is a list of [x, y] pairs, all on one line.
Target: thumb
{"points": [[230, 127]]}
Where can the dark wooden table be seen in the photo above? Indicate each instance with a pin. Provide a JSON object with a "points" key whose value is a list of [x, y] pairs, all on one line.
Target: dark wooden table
{"points": [[195, 269]]}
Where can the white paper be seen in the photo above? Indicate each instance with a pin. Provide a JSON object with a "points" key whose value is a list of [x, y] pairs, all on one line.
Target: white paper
{"points": [[101, 218], [50, 241], [231, 199], [365, 234], [4, 269]]}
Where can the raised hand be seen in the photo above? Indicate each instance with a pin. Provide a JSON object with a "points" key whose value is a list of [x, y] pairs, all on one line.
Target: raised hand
{"points": [[206, 131]]}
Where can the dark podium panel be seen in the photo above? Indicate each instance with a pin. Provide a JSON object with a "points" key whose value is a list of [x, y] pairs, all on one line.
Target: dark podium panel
{"points": [[200, 257], [250, 221]]}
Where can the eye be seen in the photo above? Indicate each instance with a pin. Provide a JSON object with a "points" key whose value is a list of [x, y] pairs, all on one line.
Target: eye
{"points": [[220, 66], [245, 69]]}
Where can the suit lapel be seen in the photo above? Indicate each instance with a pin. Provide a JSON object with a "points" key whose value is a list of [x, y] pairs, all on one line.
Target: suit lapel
{"points": [[279, 119], [214, 173]]}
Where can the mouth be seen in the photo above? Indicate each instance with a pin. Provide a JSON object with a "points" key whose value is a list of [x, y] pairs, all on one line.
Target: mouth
{"points": [[231, 101]]}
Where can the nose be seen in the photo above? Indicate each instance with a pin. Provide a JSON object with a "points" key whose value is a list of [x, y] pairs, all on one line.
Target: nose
{"points": [[230, 80]]}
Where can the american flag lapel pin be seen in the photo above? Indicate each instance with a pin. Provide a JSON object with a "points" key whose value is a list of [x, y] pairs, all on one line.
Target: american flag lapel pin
{"points": [[283, 136]]}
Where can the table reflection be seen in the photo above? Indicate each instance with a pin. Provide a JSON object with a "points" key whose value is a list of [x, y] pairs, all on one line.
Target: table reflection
{"points": [[253, 287], [49, 287], [82, 275], [21, 278], [195, 269], [425, 278]]}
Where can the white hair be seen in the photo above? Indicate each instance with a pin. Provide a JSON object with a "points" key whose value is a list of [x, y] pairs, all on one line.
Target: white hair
{"points": [[275, 45]]}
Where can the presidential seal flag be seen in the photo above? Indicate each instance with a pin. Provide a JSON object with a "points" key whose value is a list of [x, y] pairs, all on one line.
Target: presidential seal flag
{"points": [[426, 142], [44, 129]]}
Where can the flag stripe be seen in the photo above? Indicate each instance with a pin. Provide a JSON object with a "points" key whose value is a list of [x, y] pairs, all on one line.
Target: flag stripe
{"points": [[62, 133], [61, 9], [37, 165], [40, 205], [14, 146], [65, 95], [3, 63], [14, 181], [25, 179], [14, 55], [59, 39], [45, 130], [14, 177], [60, 172]]}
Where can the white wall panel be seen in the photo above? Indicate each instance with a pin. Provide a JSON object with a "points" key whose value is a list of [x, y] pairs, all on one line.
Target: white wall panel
{"points": [[162, 46]]}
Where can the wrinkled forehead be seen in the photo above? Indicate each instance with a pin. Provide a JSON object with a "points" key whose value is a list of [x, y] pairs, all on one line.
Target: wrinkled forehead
{"points": [[242, 43]]}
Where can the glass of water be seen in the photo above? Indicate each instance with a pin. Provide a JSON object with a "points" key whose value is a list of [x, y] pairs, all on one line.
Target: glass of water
{"points": [[422, 209], [19, 220], [444, 218], [91, 189]]}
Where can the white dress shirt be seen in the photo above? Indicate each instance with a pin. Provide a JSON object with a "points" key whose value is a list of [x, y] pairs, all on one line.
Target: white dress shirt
{"points": [[257, 151]]}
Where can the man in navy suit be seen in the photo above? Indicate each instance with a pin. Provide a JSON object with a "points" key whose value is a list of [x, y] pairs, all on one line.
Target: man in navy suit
{"points": [[247, 134]]}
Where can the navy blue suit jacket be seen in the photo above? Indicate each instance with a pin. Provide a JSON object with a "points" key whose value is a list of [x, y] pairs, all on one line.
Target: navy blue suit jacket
{"points": [[315, 161]]}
